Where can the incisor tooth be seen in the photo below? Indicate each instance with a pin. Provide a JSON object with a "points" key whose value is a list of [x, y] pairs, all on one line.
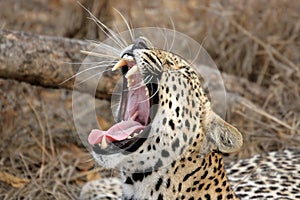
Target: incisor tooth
{"points": [[104, 143], [133, 70], [119, 64]]}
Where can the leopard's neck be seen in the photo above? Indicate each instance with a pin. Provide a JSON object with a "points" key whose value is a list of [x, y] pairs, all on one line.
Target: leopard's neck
{"points": [[191, 174]]}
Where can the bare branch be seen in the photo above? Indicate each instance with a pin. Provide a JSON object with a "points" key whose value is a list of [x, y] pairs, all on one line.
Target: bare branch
{"points": [[49, 61], [42, 60]]}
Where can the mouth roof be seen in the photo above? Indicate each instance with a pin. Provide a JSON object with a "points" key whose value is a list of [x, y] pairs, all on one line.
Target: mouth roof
{"points": [[134, 109]]}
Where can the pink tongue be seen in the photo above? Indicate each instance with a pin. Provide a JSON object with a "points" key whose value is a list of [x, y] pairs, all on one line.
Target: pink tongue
{"points": [[136, 116], [118, 132]]}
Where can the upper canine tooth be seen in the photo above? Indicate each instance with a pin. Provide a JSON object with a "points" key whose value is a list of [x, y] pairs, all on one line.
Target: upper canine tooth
{"points": [[119, 64], [104, 143], [133, 70]]}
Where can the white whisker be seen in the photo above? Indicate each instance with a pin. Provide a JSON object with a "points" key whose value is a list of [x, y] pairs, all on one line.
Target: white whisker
{"points": [[109, 63], [115, 36], [126, 23], [114, 105], [118, 30], [165, 38], [148, 81], [165, 43], [198, 52], [152, 94], [136, 87], [141, 84], [98, 55], [97, 74], [132, 32], [87, 63], [111, 34], [105, 47], [116, 93], [174, 33]]}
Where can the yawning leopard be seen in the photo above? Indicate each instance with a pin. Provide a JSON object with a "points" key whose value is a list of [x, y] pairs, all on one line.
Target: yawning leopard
{"points": [[168, 142]]}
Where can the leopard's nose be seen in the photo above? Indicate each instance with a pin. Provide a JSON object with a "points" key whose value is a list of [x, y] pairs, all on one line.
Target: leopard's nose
{"points": [[139, 43]]}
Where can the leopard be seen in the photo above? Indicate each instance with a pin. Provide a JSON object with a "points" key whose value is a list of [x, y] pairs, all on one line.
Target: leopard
{"points": [[168, 142]]}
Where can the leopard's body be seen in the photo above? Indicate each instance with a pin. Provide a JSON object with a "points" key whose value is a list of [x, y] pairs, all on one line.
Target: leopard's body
{"points": [[273, 176], [181, 157]]}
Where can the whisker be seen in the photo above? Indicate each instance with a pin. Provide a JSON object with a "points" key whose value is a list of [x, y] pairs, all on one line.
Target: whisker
{"points": [[152, 94], [142, 83], [199, 50], [98, 55], [165, 38], [97, 74], [116, 93], [104, 46], [139, 85], [126, 23], [114, 105], [146, 81], [91, 68], [115, 36], [118, 30], [111, 34], [174, 33], [165, 43], [133, 34], [84, 63]]}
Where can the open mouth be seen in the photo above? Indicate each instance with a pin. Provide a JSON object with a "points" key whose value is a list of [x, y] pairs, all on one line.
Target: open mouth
{"points": [[134, 114]]}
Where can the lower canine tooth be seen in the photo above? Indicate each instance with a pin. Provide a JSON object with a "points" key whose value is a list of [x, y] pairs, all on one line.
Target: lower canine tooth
{"points": [[104, 143], [133, 70]]}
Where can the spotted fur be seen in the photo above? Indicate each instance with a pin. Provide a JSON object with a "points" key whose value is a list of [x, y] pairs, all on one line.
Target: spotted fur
{"points": [[182, 156], [267, 176]]}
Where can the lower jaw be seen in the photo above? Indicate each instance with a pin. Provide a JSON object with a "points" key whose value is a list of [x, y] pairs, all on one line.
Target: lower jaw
{"points": [[125, 147], [128, 146]]}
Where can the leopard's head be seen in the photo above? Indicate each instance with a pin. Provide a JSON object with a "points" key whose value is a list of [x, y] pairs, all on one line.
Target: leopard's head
{"points": [[163, 112]]}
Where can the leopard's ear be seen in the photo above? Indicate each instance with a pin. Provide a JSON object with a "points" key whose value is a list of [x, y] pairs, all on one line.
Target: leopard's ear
{"points": [[222, 135]]}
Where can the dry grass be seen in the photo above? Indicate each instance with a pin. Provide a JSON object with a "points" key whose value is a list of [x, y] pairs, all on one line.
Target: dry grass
{"points": [[259, 41], [255, 42]]}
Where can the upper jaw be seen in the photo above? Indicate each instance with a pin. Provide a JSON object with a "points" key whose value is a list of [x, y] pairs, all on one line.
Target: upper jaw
{"points": [[132, 76], [134, 109]]}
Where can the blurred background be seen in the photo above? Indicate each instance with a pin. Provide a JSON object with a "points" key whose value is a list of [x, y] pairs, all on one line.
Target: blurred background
{"points": [[255, 44]]}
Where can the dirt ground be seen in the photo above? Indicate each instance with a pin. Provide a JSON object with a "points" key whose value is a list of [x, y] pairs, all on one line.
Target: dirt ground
{"points": [[254, 43]]}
